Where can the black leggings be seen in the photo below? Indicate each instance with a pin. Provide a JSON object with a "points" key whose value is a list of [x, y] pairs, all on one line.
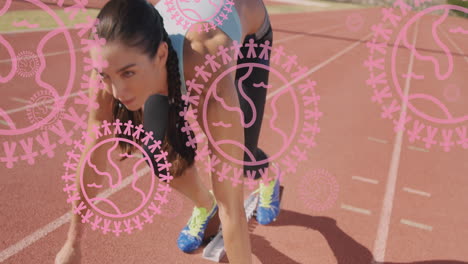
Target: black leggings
{"points": [[156, 107], [258, 97]]}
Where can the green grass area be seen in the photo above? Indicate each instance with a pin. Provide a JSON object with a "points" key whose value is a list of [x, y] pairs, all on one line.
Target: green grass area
{"points": [[284, 9], [459, 3], [42, 18]]}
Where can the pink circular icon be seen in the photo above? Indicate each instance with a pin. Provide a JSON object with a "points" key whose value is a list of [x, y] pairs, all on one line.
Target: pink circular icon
{"points": [[318, 190], [439, 70], [354, 22], [35, 74], [113, 178], [409, 88], [41, 105], [143, 194], [210, 9], [198, 15], [284, 138], [288, 89], [28, 64]]}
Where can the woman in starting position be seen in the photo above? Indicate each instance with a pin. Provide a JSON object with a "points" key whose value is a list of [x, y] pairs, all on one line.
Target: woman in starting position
{"points": [[149, 58]]}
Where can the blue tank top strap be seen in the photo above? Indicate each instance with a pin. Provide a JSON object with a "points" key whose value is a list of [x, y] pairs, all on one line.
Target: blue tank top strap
{"points": [[230, 26]]}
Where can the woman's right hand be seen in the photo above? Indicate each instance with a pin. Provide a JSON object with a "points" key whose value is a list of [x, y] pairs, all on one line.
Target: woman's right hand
{"points": [[69, 254]]}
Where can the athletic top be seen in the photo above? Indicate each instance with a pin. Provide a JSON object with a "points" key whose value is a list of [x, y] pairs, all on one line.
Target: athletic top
{"points": [[203, 9]]}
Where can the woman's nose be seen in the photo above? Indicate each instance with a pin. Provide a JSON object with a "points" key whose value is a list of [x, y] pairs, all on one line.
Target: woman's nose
{"points": [[120, 92]]}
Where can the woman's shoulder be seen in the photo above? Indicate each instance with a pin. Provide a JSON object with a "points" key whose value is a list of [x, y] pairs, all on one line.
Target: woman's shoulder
{"points": [[198, 44]]}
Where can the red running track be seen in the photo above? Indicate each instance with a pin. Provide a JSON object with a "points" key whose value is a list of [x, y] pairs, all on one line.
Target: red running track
{"points": [[427, 218]]}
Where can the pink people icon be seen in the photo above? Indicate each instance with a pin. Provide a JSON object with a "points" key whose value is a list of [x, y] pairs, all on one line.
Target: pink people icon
{"points": [[259, 106], [143, 187], [417, 79], [34, 92]]}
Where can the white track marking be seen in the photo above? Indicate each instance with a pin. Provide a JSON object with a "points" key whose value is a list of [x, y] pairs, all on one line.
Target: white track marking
{"points": [[321, 65], [363, 179], [389, 196], [300, 35], [45, 55], [292, 21], [355, 209], [465, 57], [415, 224], [414, 191], [52, 226], [21, 100], [418, 149], [383, 141], [29, 240], [39, 104]]}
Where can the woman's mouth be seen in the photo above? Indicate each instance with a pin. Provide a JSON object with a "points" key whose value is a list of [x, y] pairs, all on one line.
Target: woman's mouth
{"points": [[128, 102]]}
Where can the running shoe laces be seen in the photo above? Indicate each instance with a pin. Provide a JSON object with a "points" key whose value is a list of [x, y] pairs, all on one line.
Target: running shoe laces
{"points": [[199, 217], [266, 193]]}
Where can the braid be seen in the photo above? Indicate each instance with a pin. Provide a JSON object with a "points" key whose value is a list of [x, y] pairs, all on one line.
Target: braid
{"points": [[137, 23], [179, 154]]}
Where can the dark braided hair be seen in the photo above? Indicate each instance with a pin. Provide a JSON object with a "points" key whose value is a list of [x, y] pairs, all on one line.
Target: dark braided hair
{"points": [[136, 23]]}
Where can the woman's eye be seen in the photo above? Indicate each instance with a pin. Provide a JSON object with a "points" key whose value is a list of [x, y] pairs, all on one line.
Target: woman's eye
{"points": [[103, 76], [128, 74]]}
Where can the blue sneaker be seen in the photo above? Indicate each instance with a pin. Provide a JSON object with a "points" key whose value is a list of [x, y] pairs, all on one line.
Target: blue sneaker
{"points": [[191, 237], [269, 202]]}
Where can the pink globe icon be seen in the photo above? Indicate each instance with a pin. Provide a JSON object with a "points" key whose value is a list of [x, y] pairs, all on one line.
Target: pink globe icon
{"points": [[113, 177], [199, 10], [283, 130]]}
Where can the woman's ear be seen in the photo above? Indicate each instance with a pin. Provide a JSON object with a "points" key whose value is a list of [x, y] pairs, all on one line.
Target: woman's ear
{"points": [[162, 54]]}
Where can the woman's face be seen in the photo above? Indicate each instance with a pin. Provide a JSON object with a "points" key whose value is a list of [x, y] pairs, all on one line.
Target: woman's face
{"points": [[131, 76]]}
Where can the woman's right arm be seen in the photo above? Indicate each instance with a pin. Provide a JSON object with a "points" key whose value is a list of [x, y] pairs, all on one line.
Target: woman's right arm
{"points": [[98, 157]]}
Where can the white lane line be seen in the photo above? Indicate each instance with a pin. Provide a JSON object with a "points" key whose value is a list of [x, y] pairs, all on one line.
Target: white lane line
{"points": [[302, 2], [355, 209], [363, 179], [124, 184], [383, 141], [38, 234], [288, 21], [39, 104], [52, 226], [418, 149], [321, 65], [45, 55], [300, 35], [389, 196], [416, 224], [21, 100], [414, 191], [465, 57]]}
